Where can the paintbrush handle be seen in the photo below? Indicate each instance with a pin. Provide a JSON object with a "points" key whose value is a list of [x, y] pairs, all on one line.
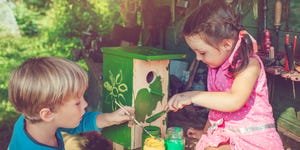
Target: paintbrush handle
{"points": [[122, 107], [132, 117], [127, 113]]}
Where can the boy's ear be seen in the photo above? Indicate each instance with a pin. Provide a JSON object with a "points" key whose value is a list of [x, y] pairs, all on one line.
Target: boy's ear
{"points": [[46, 114]]}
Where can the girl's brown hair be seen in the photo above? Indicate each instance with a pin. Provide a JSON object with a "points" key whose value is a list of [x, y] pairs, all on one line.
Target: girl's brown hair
{"points": [[215, 21]]}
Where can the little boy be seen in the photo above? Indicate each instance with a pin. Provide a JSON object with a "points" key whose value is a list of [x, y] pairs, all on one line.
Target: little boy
{"points": [[48, 92]]}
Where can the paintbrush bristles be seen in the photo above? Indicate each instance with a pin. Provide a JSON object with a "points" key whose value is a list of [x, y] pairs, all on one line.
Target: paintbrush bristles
{"points": [[132, 117]]}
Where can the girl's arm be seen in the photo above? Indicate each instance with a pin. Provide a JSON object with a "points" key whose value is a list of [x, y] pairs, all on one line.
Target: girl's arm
{"points": [[228, 101]]}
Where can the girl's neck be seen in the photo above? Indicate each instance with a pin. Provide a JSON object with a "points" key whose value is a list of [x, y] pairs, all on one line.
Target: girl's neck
{"points": [[42, 132]]}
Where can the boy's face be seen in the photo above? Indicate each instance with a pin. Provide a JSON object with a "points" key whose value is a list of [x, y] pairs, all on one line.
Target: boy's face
{"points": [[70, 113], [213, 57]]}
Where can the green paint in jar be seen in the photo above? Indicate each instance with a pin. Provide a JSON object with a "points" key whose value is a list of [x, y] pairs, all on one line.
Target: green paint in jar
{"points": [[174, 139]]}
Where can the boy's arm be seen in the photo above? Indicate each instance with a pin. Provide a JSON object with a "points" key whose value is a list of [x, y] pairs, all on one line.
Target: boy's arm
{"points": [[95, 121], [117, 117], [87, 123], [105, 120]]}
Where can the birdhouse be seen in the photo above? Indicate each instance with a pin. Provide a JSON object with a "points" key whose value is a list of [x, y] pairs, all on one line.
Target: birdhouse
{"points": [[136, 77]]}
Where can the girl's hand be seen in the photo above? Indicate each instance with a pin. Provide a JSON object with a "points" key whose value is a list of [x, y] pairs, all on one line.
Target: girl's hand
{"points": [[178, 101], [120, 116]]}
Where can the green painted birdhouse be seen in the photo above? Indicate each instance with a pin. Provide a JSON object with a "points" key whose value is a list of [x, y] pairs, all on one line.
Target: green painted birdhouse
{"points": [[137, 77]]}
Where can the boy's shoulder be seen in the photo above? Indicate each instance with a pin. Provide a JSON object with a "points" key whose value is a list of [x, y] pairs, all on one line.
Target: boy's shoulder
{"points": [[21, 140]]}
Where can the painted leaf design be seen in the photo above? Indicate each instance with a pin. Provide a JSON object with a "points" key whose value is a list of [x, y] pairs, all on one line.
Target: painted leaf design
{"points": [[114, 92], [119, 77], [107, 86], [122, 87], [112, 78]]}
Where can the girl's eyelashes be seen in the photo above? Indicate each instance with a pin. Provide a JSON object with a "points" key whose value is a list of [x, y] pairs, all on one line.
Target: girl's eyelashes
{"points": [[201, 52], [78, 103], [198, 51]]}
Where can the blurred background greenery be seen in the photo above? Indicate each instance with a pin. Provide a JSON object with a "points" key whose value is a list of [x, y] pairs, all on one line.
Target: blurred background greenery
{"points": [[56, 27], [48, 28]]}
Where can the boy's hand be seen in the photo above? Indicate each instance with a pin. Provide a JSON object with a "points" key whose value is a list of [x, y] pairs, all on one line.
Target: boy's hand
{"points": [[120, 116], [117, 117], [178, 101]]}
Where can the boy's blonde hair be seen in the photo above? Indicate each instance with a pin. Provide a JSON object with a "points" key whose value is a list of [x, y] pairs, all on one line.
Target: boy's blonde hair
{"points": [[44, 82]]}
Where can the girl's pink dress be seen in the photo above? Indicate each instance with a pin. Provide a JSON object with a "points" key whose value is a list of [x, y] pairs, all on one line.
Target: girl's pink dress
{"points": [[250, 128]]}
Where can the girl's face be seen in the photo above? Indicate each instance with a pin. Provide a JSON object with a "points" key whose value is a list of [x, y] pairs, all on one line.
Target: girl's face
{"points": [[70, 113], [213, 57]]}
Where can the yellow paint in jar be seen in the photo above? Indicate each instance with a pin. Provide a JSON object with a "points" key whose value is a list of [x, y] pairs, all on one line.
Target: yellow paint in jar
{"points": [[154, 143]]}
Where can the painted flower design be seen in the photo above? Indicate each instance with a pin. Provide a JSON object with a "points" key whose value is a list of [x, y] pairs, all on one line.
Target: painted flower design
{"points": [[116, 90]]}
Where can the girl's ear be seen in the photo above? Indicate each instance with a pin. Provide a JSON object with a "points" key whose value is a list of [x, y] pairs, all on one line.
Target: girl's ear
{"points": [[227, 44], [46, 114]]}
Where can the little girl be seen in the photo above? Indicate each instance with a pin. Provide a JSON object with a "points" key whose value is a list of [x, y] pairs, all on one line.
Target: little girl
{"points": [[240, 116]]}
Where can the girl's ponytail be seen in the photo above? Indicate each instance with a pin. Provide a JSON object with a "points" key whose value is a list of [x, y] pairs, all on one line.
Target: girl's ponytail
{"points": [[241, 59]]}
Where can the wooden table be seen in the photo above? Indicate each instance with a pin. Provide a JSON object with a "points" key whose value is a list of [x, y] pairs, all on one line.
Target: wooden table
{"points": [[281, 97]]}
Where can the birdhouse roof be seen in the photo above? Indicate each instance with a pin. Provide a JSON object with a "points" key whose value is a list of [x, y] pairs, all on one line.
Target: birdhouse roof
{"points": [[144, 53]]}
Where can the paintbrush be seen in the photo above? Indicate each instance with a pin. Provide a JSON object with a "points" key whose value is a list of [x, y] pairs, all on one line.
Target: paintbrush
{"points": [[134, 120], [157, 115]]}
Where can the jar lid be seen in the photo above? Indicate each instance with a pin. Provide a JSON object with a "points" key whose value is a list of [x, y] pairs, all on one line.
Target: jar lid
{"points": [[175, 132]]}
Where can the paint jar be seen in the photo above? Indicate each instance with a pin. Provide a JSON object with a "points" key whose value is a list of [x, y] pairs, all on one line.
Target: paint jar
{"points": [[153, 130], [174, 139], [154, 143]]}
